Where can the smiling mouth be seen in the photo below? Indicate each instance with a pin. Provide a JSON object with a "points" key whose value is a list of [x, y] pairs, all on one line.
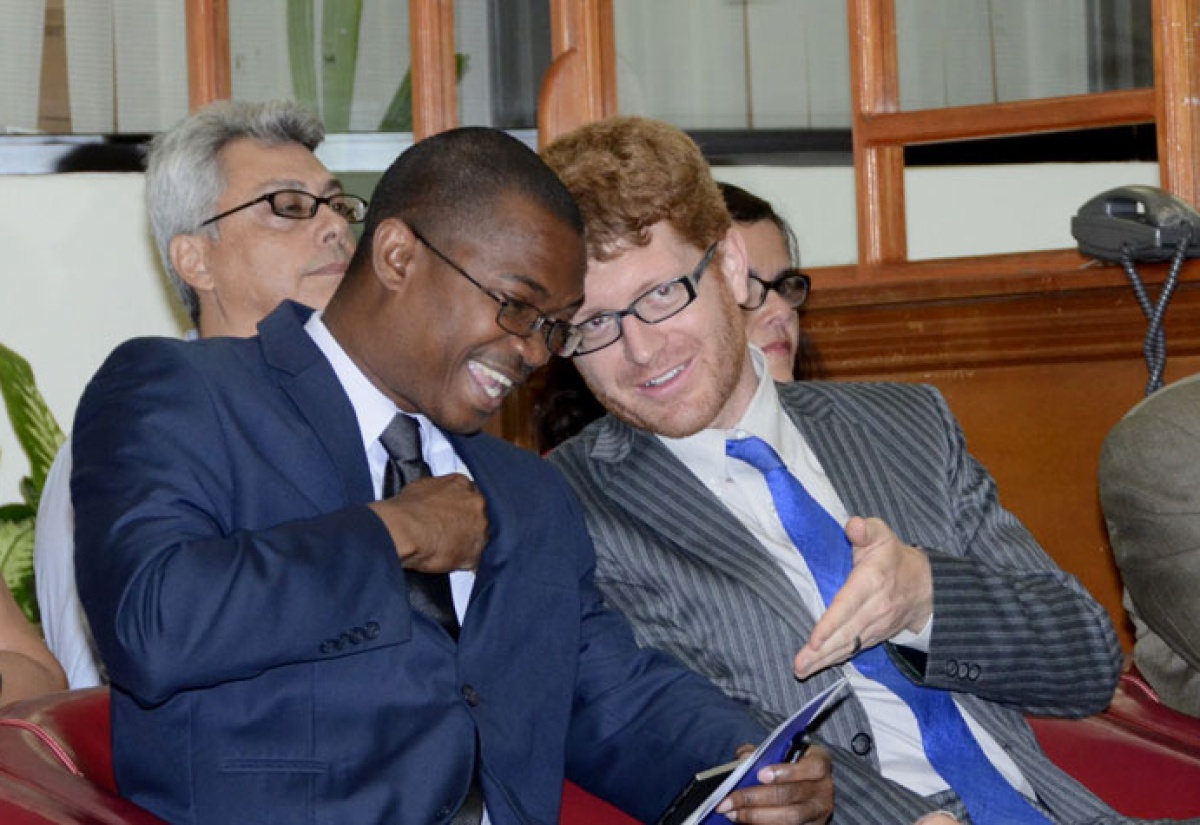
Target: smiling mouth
{"points": [[494, 383], [664, 378]]}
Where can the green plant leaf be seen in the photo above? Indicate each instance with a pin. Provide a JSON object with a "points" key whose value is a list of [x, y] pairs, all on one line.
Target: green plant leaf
{"points": [[398, 117], [37, 432], [301, 43], [16, 561], [339, 57]]}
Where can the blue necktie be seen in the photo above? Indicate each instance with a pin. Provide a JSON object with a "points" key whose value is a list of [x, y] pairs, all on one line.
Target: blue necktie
{"points": [[948, 742]]}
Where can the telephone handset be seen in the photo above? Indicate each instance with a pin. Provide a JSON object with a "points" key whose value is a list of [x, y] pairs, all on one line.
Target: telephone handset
{"points": [[1152, 223]]}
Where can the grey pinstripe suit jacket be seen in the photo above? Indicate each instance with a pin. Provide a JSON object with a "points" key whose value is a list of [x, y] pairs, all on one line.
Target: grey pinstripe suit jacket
{"points": [[1012, 632]]}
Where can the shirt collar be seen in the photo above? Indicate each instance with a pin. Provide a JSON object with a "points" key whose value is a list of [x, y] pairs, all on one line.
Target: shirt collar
{"points": [[762, 418], [373, 409]]}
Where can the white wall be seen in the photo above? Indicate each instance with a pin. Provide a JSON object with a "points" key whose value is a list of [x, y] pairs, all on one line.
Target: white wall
{"points": [[80, 273], [952, 211], [79, 276]]}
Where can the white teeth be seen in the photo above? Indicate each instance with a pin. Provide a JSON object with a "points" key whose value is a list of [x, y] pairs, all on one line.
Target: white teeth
{"points": [[494, 383], [664, 378]]}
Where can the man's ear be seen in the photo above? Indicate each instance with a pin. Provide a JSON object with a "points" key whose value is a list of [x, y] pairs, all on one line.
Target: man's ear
{"points": [[392, 248], [735, 264], [189, 257]]}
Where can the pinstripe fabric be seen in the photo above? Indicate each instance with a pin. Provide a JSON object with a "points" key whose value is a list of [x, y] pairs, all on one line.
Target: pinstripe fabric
{"points": [[1012, 634]]}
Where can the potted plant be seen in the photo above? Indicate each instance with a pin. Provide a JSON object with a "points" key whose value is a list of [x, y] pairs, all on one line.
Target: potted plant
{"points": [[40, 437]]}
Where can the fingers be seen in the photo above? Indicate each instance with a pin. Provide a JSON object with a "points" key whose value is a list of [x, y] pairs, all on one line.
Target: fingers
{"points": [[841, 647], [437, 524], [860, 531], [845, 629], [790, 793], [889, 589]]}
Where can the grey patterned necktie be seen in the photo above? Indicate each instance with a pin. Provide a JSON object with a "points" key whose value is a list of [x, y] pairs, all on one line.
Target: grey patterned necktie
{"points": [[427, 592]]}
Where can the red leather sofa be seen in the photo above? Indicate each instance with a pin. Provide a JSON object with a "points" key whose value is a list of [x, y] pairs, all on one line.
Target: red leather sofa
{"points": [[55, 763]]}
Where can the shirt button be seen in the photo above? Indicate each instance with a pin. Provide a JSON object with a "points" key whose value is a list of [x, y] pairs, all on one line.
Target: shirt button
{"points": [[861, 744]]}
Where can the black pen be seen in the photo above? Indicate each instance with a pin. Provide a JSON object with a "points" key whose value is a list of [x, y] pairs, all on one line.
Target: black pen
{"points": [[797, 748]]}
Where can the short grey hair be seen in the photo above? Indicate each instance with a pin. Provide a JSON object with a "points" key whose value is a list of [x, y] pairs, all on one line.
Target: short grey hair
{"points": [[184, 178]]}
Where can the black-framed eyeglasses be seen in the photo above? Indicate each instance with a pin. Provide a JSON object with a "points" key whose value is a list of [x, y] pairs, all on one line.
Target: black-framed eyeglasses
{"points": [[791, 284], [516, 317], [299, 205], [651, 307]]}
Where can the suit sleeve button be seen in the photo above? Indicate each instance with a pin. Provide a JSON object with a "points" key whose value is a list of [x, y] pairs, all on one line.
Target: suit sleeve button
{"points": [[861, 744], [358, 636], [372, 629], [973, 672], [471, 695], [952, 669], [327, 647]]}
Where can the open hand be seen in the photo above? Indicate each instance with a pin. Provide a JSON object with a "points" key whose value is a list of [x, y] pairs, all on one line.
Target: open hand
{"points": [[889, 589]]}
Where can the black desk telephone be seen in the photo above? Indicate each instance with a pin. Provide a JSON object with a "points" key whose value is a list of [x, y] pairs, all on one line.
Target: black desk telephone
{"points": [[1132, 224], [1150, 222]]}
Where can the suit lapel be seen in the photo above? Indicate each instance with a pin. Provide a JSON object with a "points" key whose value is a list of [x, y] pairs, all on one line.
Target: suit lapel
{"points": [[859, 472], [309, 381], [653, 487]]}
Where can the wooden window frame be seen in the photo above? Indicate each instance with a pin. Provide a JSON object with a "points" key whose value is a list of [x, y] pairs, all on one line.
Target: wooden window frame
{"points": [[883, 273], [431, 34], [580, 86]]}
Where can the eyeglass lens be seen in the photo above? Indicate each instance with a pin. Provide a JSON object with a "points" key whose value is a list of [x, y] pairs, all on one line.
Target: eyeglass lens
{"points": [[792, 286], [300, 205], [653, 307]]}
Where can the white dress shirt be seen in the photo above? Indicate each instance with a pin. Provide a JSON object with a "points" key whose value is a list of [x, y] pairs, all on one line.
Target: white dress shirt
{"points": [[64, 623], [375, 411], [743, 489]]}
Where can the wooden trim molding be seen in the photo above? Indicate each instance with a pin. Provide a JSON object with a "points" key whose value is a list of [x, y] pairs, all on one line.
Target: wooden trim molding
{"points": [[1053, 321], [209, 78], [581, 84], [434, 84], [878, 169], [974, 277], [1177, 87], [1054, 114]]}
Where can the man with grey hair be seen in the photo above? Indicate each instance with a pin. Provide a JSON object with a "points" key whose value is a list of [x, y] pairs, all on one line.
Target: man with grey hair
{"points": [[234, 195]]}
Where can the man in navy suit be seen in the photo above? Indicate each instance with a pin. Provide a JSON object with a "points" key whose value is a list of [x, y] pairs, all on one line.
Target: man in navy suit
{"points": [[249, 588], [943, 596]]}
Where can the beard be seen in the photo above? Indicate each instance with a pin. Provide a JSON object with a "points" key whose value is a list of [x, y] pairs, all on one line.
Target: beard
{"points": [[718, 360]]}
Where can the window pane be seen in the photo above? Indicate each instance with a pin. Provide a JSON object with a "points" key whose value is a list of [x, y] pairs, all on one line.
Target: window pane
{"points": [[92, 66], [717, 64], [503, 48], [347, 61], [964, 52]]}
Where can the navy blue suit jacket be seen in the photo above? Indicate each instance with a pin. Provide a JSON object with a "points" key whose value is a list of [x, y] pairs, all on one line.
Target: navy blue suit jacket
{"points": [[254, 619]]}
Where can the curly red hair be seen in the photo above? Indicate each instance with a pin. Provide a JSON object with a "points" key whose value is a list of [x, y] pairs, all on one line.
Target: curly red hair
{"points": [[628, 174]]}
